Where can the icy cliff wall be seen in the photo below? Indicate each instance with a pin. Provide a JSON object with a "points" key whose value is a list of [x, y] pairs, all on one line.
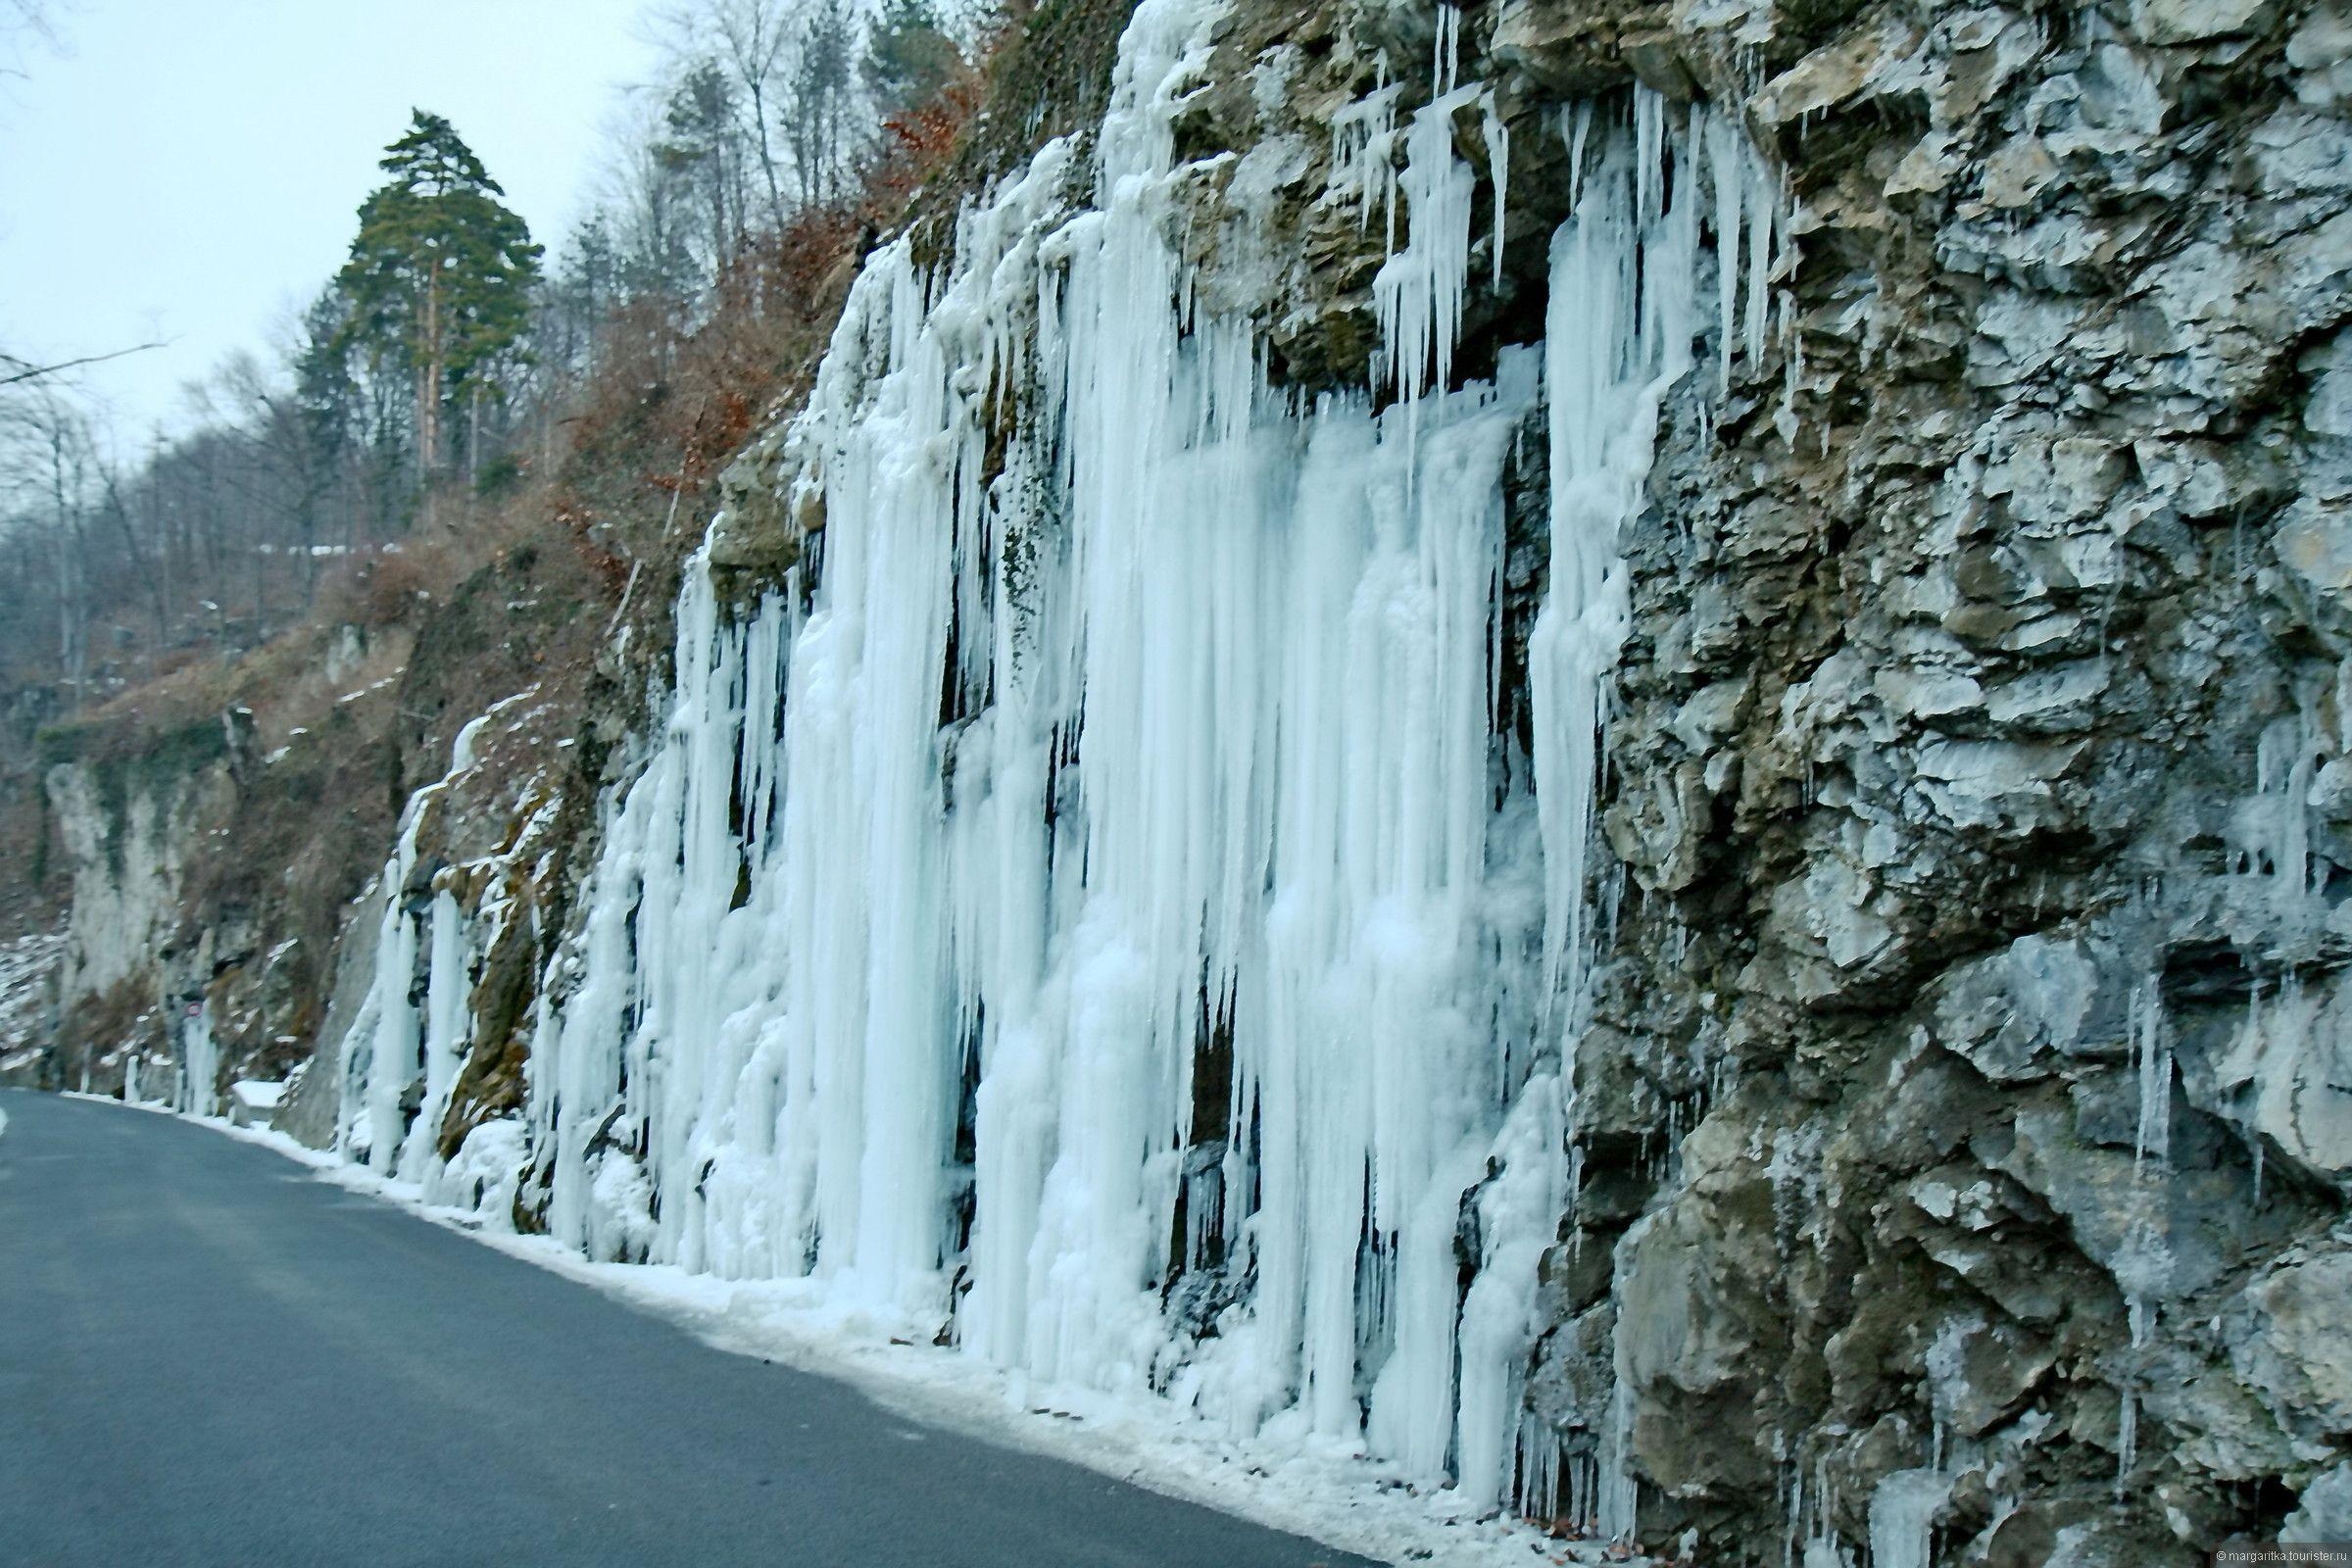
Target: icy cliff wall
{"points": [[1597, 745]]}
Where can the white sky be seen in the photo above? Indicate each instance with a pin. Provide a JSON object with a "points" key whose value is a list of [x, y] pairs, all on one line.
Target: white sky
{"points": [[193, 168]]}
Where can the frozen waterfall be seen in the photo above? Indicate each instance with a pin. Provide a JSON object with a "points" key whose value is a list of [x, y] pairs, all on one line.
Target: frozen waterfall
{"points": [[1103, 909]]}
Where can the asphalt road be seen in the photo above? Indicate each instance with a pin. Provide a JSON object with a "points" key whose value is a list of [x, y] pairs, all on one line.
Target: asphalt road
{"points": [[207, 1357]]}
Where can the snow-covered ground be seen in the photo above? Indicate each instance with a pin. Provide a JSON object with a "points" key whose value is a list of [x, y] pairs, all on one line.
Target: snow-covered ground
{"points": [[25, 966], [1332, 1496]]}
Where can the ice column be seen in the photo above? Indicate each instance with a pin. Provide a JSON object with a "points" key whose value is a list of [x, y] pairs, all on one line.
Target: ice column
{"points": [[200, 1064], [446, 1028], [1618, 338], [391, 1041]]}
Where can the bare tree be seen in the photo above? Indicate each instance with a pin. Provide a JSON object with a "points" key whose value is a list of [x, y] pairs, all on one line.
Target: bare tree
{"points": [[45, 458], [150, 564], [24, 25], [649, 207], [20, 370], [753, 39]]}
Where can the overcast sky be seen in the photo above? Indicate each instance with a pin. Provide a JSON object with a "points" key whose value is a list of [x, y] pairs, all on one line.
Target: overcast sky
{"points": [[192, 168]]}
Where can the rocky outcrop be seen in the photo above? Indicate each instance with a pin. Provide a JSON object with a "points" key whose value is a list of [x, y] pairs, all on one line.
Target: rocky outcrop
{"points": [[132, 828], [128, 830]]}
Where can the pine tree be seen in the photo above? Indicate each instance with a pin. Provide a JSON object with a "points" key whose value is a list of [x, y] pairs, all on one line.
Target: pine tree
{"points": [[817, 109], [440, 275], [585, 290], [908, 55], [701, 149]]}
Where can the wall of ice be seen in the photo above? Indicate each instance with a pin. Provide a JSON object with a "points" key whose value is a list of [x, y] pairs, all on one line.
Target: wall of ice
{"points": [[1099, 908]]}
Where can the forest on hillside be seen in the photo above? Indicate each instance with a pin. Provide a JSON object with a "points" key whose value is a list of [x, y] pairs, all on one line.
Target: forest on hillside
{"points": [[458, 370]]}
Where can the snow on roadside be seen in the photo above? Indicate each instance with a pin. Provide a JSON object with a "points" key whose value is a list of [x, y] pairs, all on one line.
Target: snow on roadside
{"points": [[26, 963], [1331, 1494]]}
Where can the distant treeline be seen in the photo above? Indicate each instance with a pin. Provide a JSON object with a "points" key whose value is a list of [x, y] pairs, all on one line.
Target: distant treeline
{"points": [[450, 357]]}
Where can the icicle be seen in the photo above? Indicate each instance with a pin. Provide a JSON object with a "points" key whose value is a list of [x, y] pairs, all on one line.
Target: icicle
{"points": [[1823, 1548], [1497, 138], [200, 1064], [2153, 1055], [1537, 1494], [1518, 1221], [379, 1050], [445, 1031], [1418, 293], [1363, 137], [1903, 1517], [1762, 209], [1725, 173], [389, 1041], [1616, 1508], [2257, 1151], [1617, 337], [2127, 1440]]}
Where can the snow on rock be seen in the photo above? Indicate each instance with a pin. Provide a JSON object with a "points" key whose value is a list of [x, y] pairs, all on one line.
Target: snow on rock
{"points": [[28, 964], [251, 1102]]}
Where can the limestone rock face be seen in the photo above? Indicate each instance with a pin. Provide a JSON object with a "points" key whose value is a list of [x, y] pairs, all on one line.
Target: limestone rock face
{"points": [[132, 829], [129, 842]]}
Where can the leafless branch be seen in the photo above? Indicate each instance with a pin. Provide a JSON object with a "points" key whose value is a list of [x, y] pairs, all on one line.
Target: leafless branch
{"points": [[30, 371]]}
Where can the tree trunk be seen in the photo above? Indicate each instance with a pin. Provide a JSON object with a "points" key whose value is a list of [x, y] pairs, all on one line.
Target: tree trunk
{"points": [[428, 390], [166, 593], [68, 588], [768, 158], [718, 210]]}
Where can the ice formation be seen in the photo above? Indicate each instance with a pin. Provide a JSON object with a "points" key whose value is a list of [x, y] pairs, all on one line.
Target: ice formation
{"points": [[199, 1064], [1101, 913], [394, 1043], [1903, 1517]]}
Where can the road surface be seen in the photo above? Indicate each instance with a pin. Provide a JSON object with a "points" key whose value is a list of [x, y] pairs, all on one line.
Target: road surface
{"points": [[207, 1357]]}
